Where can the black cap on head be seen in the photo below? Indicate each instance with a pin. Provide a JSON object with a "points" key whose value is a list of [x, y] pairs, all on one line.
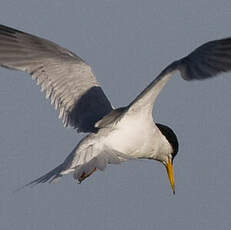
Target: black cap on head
{"points": [[171, 137]]}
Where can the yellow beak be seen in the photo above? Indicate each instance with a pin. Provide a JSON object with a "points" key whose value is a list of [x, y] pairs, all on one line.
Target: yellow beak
{"points": [[170, 171]]}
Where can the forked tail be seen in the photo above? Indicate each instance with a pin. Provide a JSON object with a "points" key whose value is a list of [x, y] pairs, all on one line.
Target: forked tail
{"points": [[50, 177]]}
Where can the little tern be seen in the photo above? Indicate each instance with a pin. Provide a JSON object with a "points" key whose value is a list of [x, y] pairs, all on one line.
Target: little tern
{"points": [[115, 134]]}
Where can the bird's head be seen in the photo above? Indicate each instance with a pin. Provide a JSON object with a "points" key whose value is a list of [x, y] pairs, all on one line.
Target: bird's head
{"points": [[167, 159]]}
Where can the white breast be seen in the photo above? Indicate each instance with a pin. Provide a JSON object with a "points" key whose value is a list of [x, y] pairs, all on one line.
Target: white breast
{"points": [[136, 136]]}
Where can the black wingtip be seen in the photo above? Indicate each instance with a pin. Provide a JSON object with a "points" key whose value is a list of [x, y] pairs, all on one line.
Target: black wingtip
{"points": [[8, 29], [208, 60]]}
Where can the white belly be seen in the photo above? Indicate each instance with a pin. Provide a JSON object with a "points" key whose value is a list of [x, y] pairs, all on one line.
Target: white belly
{"points": [[134, 137]]}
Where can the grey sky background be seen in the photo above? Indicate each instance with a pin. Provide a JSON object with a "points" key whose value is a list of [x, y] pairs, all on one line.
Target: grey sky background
{"points": [[127, 43]]}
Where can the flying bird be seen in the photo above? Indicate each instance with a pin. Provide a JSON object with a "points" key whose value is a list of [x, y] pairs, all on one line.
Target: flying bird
{"points": [[115, 135]]}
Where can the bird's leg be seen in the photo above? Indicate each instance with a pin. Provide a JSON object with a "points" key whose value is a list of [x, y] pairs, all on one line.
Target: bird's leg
{"points": [[85, 175]]}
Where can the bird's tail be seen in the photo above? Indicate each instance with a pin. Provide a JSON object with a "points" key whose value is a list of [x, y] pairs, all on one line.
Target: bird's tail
{"points": [[55, 173], [50, 177]]}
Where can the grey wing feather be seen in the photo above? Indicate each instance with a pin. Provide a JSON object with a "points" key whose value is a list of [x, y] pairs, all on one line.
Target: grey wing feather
{"points": [[112, 118], [209, 60], [67, 80]]}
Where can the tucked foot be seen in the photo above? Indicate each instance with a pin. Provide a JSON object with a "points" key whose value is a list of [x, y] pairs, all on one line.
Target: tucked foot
{"points": [[85, 175]]}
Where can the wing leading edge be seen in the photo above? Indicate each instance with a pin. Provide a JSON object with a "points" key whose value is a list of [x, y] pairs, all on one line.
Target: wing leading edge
{"points": [[208, 60]]}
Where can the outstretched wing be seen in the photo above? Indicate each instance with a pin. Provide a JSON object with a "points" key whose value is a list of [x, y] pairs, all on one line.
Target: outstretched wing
{"points": [[67, 80], [207, 61]]}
